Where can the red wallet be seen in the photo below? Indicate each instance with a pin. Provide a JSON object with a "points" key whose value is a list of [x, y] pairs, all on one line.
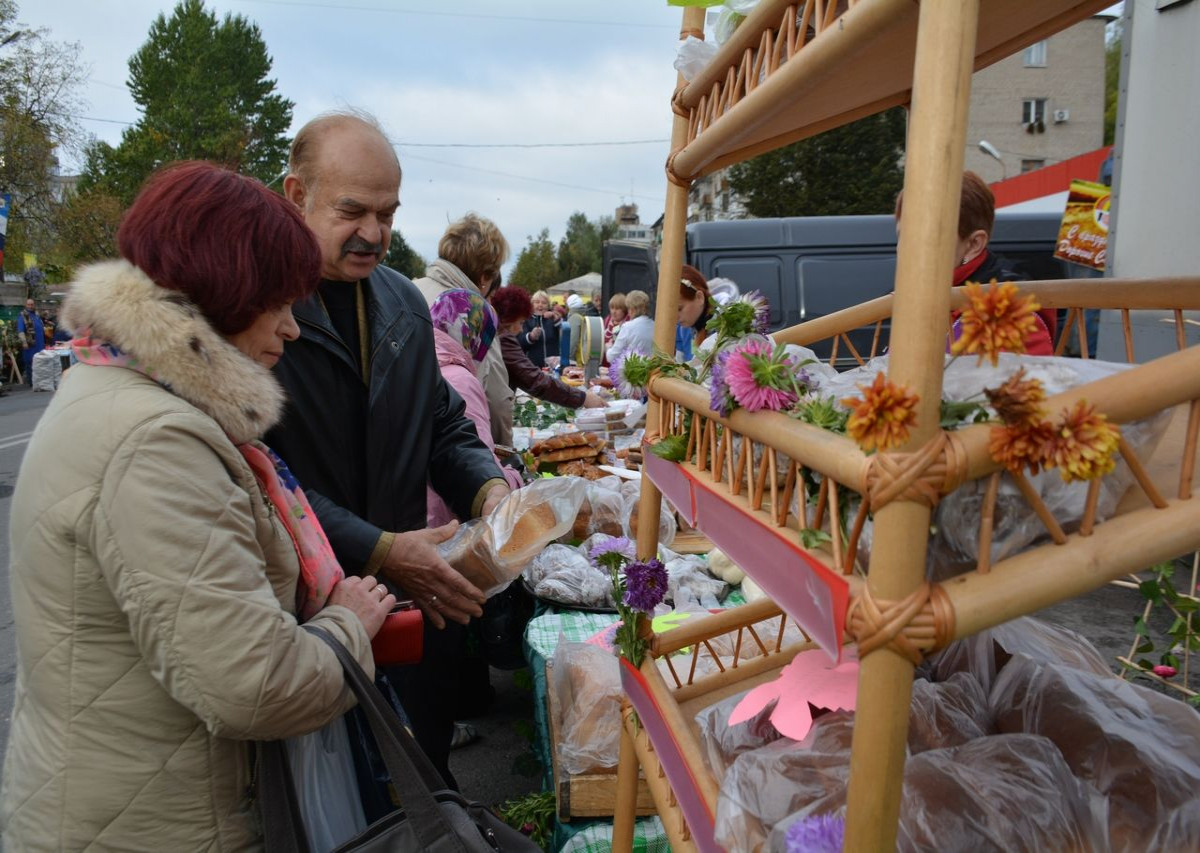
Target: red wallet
{"points": [[401, 638]]}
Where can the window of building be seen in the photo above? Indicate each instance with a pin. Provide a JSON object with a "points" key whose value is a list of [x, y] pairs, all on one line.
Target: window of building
{"points": [[1035, 55], [1033, 110], [1030, 165]]}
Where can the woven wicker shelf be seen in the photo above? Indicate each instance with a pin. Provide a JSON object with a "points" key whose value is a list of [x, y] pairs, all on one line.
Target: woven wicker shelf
{"points": [[793, 70], [834, 63]]}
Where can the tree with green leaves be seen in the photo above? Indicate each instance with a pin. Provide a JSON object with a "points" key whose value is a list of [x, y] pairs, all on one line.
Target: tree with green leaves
{"points": [[579, 251], [1112, 83], [204, 91], [854, 169], [537, 266], [403, 258], [39, 84]]}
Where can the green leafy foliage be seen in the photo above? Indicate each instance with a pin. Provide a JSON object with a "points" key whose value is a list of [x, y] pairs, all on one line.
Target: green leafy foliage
{"points": [[531, 413], [1112, 81], [854, 169], [536, 267], [204, 90], [403, 258], [822, 412], [1181, 637], [579, 251], [673, 448], [533, 815], [956, 413], [811, 537]]}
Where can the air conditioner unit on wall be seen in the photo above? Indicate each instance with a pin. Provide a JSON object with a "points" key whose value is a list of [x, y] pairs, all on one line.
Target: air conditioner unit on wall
{"points": [[1061, 115]]}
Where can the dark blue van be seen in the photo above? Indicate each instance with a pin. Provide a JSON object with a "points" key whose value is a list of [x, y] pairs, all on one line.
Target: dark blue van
{"points": [[812, 266]]}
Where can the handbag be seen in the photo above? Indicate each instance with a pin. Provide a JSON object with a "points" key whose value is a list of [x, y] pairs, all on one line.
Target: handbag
{"points": [[432, 818]]}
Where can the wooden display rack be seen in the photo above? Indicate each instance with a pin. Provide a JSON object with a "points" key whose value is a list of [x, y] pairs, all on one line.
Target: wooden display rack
{"points": [[792, 70]]}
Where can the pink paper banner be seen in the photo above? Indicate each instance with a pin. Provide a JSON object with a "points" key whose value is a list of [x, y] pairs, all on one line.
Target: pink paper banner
{"points": [[807, 590], [673, 481], [683, 783]]}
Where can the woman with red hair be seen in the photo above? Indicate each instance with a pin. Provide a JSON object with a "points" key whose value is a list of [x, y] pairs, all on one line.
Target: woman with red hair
{"points": [[513, 307], [162, 557]]}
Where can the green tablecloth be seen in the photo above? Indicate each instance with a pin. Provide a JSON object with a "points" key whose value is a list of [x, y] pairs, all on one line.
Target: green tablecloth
{"points": [[546, 629]]}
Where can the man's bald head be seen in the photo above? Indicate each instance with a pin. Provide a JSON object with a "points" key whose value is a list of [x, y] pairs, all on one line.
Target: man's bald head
{"points": [[304, 158], [345, 178]]}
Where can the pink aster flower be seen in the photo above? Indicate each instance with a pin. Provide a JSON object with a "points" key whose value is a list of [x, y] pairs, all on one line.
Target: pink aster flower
{"points": [[761, 376], [1164, 671]]}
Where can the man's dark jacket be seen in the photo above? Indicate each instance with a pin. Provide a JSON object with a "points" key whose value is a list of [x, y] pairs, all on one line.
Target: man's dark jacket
{"points": [[414, 424]]}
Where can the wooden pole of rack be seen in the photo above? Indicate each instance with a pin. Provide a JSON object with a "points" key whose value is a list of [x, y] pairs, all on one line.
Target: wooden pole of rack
{"points": [[945, 55], [670, 266]]}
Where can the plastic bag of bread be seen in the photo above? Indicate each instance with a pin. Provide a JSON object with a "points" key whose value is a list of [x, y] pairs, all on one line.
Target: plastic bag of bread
{"points": [[984, 654], [600, 512], [666, 520], [491, 552], [765, 785], [1137, 747], [565, 575], [586, 681], [947, 713], [999, 793], [723, 743]]}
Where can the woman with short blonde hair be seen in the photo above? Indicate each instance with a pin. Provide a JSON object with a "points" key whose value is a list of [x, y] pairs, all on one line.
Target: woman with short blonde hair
{"points": [[637, 333], [476, 246], [617, 312]]}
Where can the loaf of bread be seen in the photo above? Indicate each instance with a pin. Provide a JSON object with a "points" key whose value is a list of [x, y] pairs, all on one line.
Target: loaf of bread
{"points": [[579, 468], [561, 442], [570, 453], [530, 531]]}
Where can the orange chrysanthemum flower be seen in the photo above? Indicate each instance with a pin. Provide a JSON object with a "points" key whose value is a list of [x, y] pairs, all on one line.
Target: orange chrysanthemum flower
{"points": [[883, 416], [996, 320], [1085, 443], [1018, 401], [1023, 445]]}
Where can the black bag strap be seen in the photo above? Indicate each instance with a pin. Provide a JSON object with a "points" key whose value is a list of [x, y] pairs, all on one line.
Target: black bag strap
{"points": [[413, 776]]}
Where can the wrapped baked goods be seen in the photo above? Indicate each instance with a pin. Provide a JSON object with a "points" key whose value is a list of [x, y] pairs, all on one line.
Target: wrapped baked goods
{"points": [[1138, 748], [492, 552], [586, 680], [984, 654], [999, 793], [601, 512], [947, 713]]}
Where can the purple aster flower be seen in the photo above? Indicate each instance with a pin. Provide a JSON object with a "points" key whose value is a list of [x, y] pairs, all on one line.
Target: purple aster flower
{"points": [[821, 833], [762, 310], [629, 387], [606, 550], [645, 585], [720, 400]]}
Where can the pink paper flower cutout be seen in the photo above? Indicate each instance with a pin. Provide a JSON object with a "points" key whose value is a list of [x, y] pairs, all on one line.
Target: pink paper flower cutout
{"points": [[807, 680]]}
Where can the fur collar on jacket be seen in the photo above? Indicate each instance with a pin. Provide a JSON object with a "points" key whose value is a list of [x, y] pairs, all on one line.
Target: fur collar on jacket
{"points": [[116, 302]]}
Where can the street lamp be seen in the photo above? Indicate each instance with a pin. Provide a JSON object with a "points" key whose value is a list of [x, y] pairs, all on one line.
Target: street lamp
{"points": [[993, 152]]}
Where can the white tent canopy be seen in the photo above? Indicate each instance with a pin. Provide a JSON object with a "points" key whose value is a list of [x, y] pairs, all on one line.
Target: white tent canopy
{"points": [[584, 285]]}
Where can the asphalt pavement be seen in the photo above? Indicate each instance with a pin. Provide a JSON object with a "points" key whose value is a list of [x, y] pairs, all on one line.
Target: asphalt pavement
{"points": [[500, 765]]}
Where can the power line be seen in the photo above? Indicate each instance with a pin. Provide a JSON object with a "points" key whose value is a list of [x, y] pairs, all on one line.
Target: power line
{"points": [[428, 13], [610, 193], [528, 144]]}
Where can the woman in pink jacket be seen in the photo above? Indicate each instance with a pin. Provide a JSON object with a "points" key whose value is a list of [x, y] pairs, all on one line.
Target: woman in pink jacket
{"points": [[464, 326]]}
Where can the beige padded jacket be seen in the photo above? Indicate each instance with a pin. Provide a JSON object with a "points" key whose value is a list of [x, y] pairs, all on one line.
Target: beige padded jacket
{"points": [[153, 590]]}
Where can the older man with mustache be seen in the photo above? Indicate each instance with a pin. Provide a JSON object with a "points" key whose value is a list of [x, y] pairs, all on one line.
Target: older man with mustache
{"points": [[370, 419]]}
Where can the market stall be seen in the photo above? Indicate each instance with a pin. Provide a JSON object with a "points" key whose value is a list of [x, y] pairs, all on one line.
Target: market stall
{"points": [[832, 516]]}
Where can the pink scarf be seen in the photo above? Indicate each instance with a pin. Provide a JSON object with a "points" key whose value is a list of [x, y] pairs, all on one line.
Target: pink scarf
{"points": [[319, 568]]}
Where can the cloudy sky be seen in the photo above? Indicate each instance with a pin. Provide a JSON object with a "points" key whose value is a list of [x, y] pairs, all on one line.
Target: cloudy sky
{"points": [[442, 75]]}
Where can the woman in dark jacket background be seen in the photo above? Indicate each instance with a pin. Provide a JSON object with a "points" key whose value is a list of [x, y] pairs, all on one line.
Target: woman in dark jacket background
{"points": [[539, 334]]}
